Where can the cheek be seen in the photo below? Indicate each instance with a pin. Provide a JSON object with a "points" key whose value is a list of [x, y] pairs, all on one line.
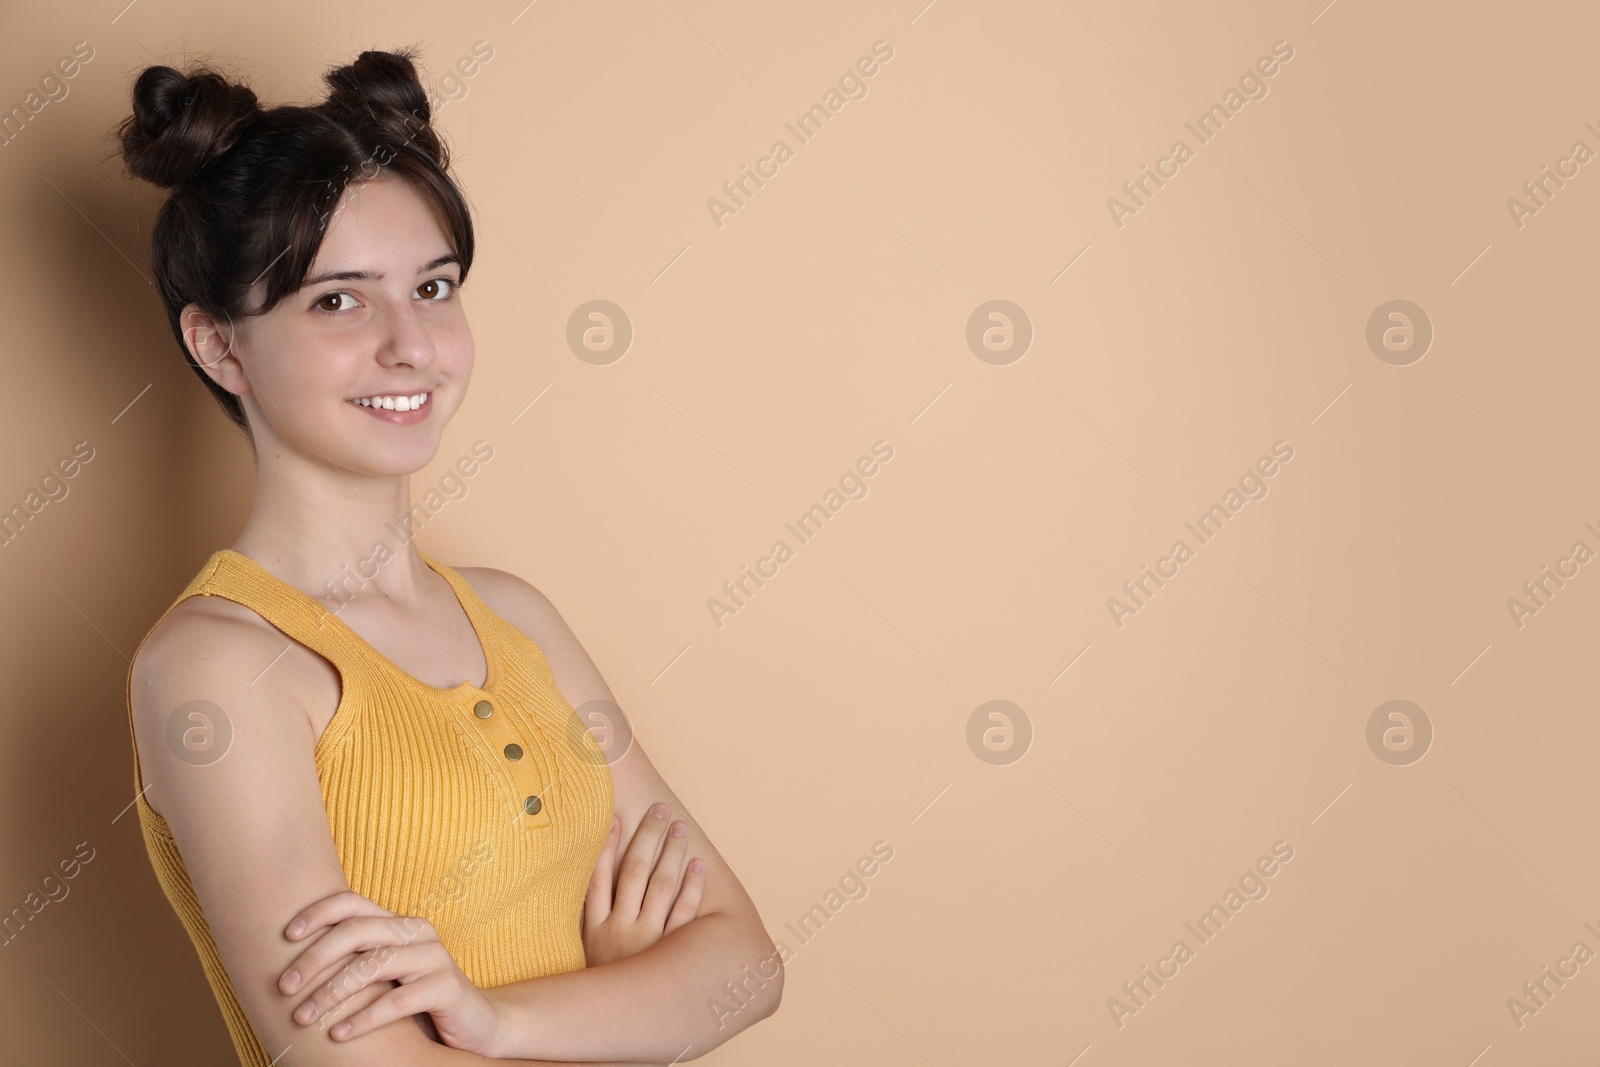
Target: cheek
{"points": [[306, 366], [453, 341], [329, 361]]}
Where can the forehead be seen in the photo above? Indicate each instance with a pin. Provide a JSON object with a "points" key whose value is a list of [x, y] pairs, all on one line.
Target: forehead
{"points": [[382, 220]]}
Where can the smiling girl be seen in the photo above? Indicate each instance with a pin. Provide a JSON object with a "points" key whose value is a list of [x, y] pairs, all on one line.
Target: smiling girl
{"points": [[387, 832]]}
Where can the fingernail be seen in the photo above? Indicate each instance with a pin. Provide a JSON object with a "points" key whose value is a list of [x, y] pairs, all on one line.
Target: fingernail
{"points": [[659, 811], [342, 1030], [291, 981], [679, 829], [305, 1011], [697, 865], [297, 928]]}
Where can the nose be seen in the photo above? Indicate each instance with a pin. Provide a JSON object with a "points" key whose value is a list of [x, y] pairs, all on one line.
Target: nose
{"points": [[406, 341]]}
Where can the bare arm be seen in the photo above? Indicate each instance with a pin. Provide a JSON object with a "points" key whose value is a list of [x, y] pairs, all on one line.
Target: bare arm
{"points": [[252, 829], [657, 1005]]}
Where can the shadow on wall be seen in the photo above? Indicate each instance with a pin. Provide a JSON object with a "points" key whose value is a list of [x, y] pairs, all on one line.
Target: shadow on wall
{"points": [[93, 961]]}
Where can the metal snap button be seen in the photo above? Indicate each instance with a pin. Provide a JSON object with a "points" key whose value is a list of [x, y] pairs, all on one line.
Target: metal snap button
{"points": [[532, 805], [483, 709], [513, 751]]}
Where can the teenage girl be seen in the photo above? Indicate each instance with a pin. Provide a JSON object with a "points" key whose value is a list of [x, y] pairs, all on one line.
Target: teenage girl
{"points": [[359, 772]]}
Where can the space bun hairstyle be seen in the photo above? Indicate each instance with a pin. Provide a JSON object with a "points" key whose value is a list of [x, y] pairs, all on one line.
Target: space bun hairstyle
{"points": [[253, 190]]}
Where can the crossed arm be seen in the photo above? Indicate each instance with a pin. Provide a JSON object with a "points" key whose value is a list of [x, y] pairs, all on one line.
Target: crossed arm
{"points": [[259, 850], [354, 943]]}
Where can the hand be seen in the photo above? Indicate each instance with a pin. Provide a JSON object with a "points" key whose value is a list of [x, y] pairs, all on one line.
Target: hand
{"points": [[635, 916], [363, 944]]}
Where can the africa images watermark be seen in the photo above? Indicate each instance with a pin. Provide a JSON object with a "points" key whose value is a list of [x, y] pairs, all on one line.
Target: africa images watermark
{"points": [[1541, 589], [852, 886], [1205, 128], [452, 86], [809, 123], [451, 887], [452, 486], [1251, 886], [852, 486], [12, 924], [1252, 486], [1537, 993], [453, 83], [54, 89], [53, 487], [1539, 191]]}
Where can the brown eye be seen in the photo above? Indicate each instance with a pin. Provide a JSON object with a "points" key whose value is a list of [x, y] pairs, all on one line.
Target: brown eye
{"points": [[322, 302], [437, 288]]}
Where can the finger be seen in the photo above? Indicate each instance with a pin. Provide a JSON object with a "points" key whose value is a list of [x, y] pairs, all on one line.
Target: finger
{"points": [[349, 938], [434, 992], [398, 963], [597, 905], [345, 904], [687, 906], [639, 860], [350, 979], [337, 945], [664, 881]]}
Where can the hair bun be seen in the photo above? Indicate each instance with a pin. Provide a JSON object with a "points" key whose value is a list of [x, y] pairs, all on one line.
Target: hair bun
{"points": [[382, 88], [181, 122]]}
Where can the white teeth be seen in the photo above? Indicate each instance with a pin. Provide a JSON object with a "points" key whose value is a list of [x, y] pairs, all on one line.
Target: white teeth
{"points": [[394, 403]]}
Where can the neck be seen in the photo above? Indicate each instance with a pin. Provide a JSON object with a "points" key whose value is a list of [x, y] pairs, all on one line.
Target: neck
{"points": [[335, 534]]}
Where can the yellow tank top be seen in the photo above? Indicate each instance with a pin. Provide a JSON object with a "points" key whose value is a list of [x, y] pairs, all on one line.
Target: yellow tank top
{"points": [[481, 809]]}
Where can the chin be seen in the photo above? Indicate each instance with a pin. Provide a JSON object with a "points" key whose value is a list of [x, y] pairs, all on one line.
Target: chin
{"points": [[394, 459]]}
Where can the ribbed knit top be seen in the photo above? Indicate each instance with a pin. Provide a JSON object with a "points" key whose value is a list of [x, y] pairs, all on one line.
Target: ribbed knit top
{"points": [[480, 808]]}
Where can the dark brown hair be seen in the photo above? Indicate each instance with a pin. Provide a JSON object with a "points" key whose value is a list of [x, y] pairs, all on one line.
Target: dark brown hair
{"points": [[253, 188]]}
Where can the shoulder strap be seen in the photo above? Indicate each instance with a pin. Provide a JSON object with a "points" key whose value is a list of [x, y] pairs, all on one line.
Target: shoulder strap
{"points": [[235, 576]]}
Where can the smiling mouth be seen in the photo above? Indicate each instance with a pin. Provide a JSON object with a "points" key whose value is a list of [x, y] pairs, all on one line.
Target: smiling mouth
{"points": [[393, 401]]}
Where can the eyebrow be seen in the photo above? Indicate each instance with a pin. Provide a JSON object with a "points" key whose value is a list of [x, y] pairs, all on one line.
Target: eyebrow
{"points": [[372, 276]]}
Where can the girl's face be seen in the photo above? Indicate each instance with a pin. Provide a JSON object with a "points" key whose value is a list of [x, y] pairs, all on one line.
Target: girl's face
{"points": [[379, 319]]}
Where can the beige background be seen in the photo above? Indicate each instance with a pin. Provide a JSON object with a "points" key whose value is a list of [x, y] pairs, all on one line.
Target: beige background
{"points": [[1229, 313]]}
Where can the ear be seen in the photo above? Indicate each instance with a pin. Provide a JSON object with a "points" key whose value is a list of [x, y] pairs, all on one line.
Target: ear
{"points": [[210, 343]]}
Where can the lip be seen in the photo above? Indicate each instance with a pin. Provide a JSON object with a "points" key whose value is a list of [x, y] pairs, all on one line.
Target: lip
{"points": [[400, 418]]}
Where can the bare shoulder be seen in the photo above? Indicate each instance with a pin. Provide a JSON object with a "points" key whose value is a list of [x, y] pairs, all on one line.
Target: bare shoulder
{"points": [[511, 597], [200, 632], [213, 649], [205, 644]]}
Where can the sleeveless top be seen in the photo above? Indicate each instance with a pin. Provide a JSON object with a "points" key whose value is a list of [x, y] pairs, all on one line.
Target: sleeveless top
{"points": [[480, 808]]}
